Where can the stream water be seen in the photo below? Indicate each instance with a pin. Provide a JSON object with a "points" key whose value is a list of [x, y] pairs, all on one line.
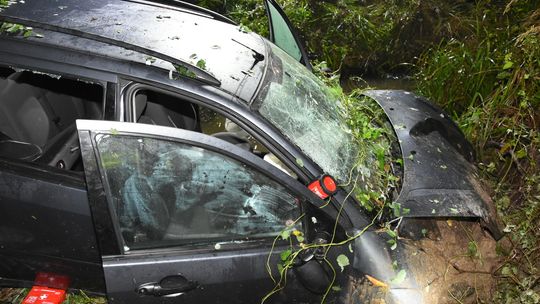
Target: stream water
{"points": [[389, 83]]}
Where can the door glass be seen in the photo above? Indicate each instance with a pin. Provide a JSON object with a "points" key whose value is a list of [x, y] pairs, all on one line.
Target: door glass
{"points": [[282, 34], [168, 193]]}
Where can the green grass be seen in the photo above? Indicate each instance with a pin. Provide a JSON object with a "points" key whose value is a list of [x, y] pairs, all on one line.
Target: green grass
{"points": [[490, 82]]}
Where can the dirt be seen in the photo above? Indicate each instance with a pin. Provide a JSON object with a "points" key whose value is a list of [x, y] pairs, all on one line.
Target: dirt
{"points": [[455, 264]]}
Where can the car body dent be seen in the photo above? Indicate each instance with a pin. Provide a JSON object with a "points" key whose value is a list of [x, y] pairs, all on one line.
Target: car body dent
{"points": [[439, 179]]}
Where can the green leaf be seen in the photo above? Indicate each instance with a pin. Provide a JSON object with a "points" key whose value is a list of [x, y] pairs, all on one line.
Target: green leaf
{"points": [[285, 234], [336, 288], [472, 248], [508, 65], [521, 153], [14, 28], [285, 255], [201, 64], [342, 261], [399, 278], [280, 268], [391, 233], [184, 71], [506, 271], [299, 238]]}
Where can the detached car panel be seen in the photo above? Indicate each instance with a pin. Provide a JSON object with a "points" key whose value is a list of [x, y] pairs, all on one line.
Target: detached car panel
{"points": [[439, 178]]}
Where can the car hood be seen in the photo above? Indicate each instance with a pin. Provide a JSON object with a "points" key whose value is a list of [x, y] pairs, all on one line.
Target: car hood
{"points": [[439, 179]]}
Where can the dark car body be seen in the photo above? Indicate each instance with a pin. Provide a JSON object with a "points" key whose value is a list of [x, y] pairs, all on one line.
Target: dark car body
{"points": [[78, 81]]}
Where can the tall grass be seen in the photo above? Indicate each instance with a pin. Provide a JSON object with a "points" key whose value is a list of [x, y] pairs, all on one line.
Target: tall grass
{"points": [[490, 82]]}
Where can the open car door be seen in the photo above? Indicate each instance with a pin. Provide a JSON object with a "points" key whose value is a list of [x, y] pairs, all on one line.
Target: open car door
{"points": [[283, 34], [184, 214]]}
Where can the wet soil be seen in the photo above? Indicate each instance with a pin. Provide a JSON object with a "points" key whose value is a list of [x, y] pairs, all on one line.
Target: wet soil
{"points": [[455, 264]]}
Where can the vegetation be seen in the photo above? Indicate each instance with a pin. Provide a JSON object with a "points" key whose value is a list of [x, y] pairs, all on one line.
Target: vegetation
{"points": [[490, 81]]}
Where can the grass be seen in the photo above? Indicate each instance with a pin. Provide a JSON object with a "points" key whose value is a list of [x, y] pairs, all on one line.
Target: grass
{"points": [[490, 82]]}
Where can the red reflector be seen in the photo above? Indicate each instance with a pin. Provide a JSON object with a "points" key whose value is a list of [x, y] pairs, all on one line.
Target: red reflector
{"points": [[324, 186], [329, 183], [44, 295]]}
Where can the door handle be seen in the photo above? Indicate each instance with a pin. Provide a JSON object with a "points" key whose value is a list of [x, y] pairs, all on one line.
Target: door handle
{"points": [[170, 286]]}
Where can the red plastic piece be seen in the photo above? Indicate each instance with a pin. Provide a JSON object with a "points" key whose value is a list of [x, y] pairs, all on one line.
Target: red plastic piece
{"points": [[44, 295], [323, 187]]}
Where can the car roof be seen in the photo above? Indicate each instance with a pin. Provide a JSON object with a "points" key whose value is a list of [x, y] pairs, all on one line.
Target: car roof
{"points": [[213, 49]]}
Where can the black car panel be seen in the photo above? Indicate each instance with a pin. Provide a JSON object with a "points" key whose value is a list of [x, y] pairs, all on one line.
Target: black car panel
{"points": [[164, 210], [439, 180], [39, 206]]}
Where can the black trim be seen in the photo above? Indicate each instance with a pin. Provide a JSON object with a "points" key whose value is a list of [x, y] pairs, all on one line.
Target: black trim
{"points": [[110, 105], [101, 213]]}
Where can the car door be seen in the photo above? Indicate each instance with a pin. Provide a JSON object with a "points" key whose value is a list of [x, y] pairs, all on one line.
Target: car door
{"points": [[188, 218], [283, 34]]}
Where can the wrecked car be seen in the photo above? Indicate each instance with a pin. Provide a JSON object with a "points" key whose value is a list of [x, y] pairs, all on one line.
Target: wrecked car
{"points": [[157, 152]]}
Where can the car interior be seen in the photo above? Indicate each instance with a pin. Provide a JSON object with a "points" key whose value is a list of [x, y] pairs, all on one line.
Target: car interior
{"points": [[152, 107], [38, 113]]}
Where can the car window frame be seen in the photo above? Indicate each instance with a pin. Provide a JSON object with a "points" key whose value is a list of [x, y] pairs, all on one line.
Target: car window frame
{"points": [[236, 112], [101, 194]]}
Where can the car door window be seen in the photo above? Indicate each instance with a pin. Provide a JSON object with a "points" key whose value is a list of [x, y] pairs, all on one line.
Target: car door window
{"points": [[283, 34], [171, 193]]}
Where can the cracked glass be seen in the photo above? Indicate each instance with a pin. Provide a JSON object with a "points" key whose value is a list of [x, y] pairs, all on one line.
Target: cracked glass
{"points": [[304, 110], [168, 193]]}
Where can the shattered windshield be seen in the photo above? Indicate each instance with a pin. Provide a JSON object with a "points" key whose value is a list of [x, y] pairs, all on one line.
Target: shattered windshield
{"points": [[296, 102], [348, 136]]}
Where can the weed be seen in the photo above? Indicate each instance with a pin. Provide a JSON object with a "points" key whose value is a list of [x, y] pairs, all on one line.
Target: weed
{"points": [[490, 83]]}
